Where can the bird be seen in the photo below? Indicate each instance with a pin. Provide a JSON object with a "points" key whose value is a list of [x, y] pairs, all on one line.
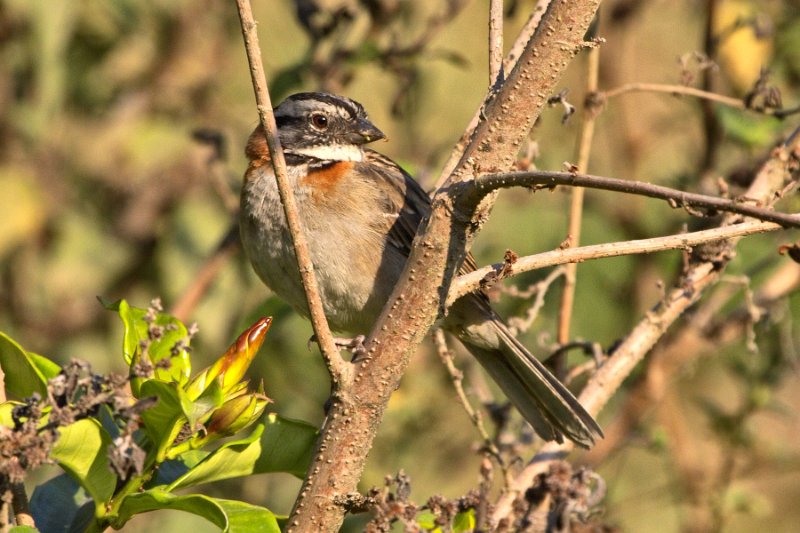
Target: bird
{"points": [[360, 212]]}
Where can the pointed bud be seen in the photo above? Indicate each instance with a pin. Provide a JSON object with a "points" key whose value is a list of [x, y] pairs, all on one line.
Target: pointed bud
{"points": [[231, 367], [236, 414]]}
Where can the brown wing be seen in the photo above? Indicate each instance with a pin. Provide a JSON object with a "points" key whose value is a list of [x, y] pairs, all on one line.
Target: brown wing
{"points": [[406, 204]]}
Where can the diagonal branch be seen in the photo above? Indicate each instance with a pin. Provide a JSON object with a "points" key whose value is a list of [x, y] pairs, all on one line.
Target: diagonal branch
{"points": [[338, 369]]}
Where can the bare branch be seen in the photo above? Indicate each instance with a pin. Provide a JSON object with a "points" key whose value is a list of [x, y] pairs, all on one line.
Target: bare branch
{"points": [[457, 378], [683, 90], [583, 150], [677, 198], [337, 367], [471, 282], [495, 41], [518, 324], [700, 273]]}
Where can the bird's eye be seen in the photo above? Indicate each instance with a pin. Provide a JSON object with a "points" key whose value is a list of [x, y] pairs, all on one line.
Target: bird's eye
{"points": [[319, 121]]}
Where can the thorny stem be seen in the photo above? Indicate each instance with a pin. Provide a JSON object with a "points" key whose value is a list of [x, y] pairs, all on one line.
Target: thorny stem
{"points": [[442, 242], [338, 368], [511, 59]]}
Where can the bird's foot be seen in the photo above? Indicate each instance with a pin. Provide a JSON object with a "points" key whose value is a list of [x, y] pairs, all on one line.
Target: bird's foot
{"points": [[353, 345]]}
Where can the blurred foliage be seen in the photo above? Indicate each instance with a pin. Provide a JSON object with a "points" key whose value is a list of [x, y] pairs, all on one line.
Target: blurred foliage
{"points": [[104, 191]]}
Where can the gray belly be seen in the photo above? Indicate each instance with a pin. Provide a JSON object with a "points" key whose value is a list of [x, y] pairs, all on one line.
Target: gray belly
{"points": [[355, 271]]}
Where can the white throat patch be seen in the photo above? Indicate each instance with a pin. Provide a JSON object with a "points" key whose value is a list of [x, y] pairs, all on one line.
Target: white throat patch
{"points": [[333, 152]]}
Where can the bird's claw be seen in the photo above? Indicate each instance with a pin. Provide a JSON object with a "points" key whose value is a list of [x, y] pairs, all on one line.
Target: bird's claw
{"points": [[353, 345]]}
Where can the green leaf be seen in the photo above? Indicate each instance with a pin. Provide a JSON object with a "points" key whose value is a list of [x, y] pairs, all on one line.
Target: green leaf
{"points": [[157, 499], [277, 445], [173, 330], [172, 469], [5, 413], [105, 416], [200, 409], [229, 515], [287, 444], [131, 318], [46, 367], [163, 421], [82, 451], [22, 374], [60, 505], [246, 518], [426, 520], [23, 529], [464, 522], [233, 459]]}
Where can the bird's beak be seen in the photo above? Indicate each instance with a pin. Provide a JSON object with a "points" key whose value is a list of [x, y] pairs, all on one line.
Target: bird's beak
{"points": [[365, 132]]}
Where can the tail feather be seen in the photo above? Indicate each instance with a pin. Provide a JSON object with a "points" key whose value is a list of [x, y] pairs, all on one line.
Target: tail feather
{"points": [[544, 401]]}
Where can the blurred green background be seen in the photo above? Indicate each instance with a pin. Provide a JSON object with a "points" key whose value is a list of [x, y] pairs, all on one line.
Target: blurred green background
{"points": [[106, 191]]}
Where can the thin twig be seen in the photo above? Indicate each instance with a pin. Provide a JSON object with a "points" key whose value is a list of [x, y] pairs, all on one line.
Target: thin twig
{"points": [[677, 198], [583, 149], [677, 90], [519, 325], [495, 41], [475, 416], [337, 367], [470, 282], [511, 59]]}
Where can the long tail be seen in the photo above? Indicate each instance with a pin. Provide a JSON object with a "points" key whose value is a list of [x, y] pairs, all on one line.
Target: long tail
{"points": [[548, 405]]}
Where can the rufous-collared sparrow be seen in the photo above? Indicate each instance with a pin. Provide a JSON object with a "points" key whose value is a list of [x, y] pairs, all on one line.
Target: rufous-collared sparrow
{"points": [[360, 212]]}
